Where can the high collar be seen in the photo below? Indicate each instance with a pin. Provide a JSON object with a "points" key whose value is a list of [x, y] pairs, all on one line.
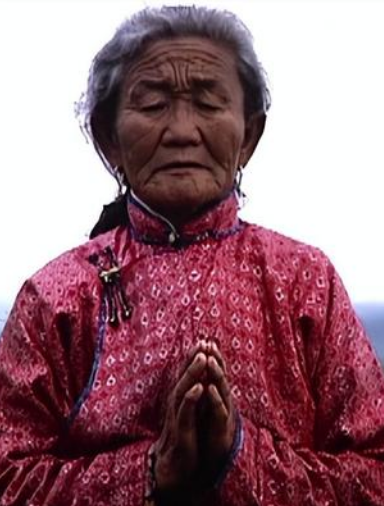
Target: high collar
{"points": [[150, 227]]}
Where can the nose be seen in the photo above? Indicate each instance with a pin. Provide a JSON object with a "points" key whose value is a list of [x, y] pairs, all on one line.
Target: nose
{"points": [[182, 129]]}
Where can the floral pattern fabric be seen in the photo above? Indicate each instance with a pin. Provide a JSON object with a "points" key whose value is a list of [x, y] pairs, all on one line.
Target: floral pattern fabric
{"points": [[82, 401]]}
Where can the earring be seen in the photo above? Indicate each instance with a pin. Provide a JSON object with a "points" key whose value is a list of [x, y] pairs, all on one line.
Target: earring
{"points": [[238, 179], [239, 192], [119, 175]]}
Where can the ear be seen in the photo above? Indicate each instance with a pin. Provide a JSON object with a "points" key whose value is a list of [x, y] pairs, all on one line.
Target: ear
{"points": [[107, 142], [254, 128]]}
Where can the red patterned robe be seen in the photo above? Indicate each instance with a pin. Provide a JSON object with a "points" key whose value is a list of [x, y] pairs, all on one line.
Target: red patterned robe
{"points": [[82, 400]]}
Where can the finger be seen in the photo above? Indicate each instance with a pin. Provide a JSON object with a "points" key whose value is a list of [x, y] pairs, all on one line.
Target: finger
{"points": [[186, 416], [215, 352], [200, 346], [191, 376], [218, 408], [218, 378]]}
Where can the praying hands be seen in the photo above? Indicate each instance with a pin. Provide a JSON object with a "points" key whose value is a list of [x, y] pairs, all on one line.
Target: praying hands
{"points": [[199, 427]]}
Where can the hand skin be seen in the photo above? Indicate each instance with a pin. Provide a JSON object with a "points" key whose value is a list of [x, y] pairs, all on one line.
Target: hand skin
{"points": [[218, 418], [199, 426]]}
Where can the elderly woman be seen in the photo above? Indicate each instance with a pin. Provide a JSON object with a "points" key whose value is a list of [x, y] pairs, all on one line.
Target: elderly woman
{"points": [[182, 356]]}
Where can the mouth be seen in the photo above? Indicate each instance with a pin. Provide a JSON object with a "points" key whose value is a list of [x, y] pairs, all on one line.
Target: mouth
{"points": [[181, 165]]}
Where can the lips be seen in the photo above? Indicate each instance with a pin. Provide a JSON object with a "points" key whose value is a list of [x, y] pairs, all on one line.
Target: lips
{"points": [[182, 164]]}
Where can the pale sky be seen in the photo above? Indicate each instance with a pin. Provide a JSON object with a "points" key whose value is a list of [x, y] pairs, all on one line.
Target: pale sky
{"points": [[317, 174]]}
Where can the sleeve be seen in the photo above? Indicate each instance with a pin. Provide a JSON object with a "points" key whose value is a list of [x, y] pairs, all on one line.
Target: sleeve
{"points": [[37, 395], [345, 464]]}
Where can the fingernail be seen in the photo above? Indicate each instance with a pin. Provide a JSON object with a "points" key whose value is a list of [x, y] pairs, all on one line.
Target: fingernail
{"points": [[200, 357], [213, 362]]}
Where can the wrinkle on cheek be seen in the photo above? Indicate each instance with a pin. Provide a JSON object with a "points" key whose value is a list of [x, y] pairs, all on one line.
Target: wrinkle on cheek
{"points": [[139, 145], [133, 130], [223, 152]]}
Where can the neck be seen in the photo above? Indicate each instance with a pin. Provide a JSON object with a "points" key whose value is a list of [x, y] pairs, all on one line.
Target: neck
{"points": [[176, 218]]}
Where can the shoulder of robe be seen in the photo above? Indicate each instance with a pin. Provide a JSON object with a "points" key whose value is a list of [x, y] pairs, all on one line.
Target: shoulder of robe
{"points": [[276, 247], [70, 276]]}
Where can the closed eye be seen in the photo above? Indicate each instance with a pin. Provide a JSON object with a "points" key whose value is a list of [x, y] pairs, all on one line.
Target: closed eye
{"points": [[208, 106], [153, 107]]}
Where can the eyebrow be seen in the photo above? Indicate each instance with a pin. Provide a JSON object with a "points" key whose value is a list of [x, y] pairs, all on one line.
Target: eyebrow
{"points": [[153, 84], [165, 85]]}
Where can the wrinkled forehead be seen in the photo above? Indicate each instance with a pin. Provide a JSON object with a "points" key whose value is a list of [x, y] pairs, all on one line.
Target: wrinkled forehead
{"points": [[184, 57]]}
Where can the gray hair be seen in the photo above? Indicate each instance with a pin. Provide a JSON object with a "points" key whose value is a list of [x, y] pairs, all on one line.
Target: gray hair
{"points": [[98, 105]]}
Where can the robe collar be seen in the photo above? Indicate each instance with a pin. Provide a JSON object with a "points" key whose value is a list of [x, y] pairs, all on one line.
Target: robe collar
{"points": [[150, 227]]}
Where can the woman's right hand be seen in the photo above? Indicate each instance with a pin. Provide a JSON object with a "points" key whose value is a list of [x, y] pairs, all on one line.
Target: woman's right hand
{"points": [[176, 450]]}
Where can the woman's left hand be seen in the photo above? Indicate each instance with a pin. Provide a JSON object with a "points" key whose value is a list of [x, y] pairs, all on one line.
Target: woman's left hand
{"points": [[218, 417]]}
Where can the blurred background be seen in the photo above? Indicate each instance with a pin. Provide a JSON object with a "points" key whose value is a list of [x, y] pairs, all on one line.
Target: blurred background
{"points": [[317, 174]]}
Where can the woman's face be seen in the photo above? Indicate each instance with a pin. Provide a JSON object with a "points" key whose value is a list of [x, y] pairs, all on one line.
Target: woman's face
{"points": [[180, 130]]}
